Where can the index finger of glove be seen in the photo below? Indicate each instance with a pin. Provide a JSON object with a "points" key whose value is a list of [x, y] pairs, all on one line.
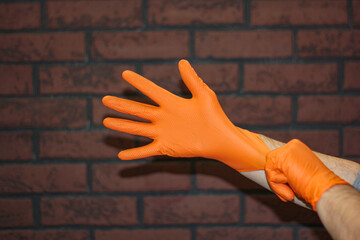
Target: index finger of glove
{"points": [[147, 87]]}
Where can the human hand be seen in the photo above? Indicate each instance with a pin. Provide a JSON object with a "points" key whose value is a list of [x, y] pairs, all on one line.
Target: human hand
{"points": [[195, 127], [294, 168]]}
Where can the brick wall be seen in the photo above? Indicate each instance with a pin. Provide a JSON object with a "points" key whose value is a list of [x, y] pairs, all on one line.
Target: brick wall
{"points": [[284, 68]]}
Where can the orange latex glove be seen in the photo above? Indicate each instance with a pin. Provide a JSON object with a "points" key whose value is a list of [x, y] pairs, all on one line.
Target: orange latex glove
{"points": [[180, 127], [294, 167]]}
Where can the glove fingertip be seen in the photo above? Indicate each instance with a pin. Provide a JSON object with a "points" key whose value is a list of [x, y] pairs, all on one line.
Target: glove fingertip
{"points": [[123, 156]]}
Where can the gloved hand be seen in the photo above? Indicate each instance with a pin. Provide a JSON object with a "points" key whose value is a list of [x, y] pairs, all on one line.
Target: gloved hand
{"points": [[295, 168], [180, 127]]}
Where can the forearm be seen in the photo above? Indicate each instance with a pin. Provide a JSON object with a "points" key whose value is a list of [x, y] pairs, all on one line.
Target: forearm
{"points": [[339, 211]]}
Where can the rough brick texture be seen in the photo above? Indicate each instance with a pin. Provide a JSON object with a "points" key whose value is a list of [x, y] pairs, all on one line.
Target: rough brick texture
{"points": [[45, 235], [173, 176], [26, 47], [328, 43], [290, 78], [198, 12], [148, 234], [43, 178], [16, 146], [299, 12], [16, 80], [89, 211], [142, 45], [83, 79], [97, 14], [191, 209], [265, 233], [43, 113], [329, 109], [243, 44], [15, 16], [16, 213], [284, 69]]}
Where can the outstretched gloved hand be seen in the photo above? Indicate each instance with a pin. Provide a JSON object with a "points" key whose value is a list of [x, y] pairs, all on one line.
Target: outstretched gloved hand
{"points": [[195, 127], [295, 168]]}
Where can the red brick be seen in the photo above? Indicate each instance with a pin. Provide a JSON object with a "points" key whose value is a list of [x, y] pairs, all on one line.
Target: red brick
{"points": [[290, 78], [328, 43], [45, 235], [101, 14], [16, 146], [213, 175], [140, 45], [16, 79], [43, 178], [264, 233], [152, 176], [198, 12], [328, 109], [269, 209], [29, 47], [298, 12], [15, 16], [243, 44], [83, 79], [351, 141], [83, 145], [324, 141], [313, 234], [219, 77], [16, 213], [191, 209], [356, 12], [142, 234], [269, 110], [351, 78], [100, 211], [44, 112]]}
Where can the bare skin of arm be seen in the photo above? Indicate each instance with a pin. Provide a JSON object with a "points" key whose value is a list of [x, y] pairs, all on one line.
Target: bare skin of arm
{"points": [[345, 169], [339, 211]]}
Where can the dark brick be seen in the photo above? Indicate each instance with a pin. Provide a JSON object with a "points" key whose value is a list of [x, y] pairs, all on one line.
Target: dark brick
{"points": [[313, 234], [243, 44], [328, 109], [269, 110], [290, 78], [29, 47], [15, 16], [219, 77], [42, 113], [268, 209], [356, 12], [328, 43], [299, 12], [100, 211], [351, 78], [16, 80], [324, 141], [351, 141], [43, 178], [152, 176], [191, 209], [16, 213], [83, 79], [140, 45], [198, 12], [142, 234], [83, 145], [45, 235], [99, 14], [213, 175], [11, 142], [264, 233]]}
